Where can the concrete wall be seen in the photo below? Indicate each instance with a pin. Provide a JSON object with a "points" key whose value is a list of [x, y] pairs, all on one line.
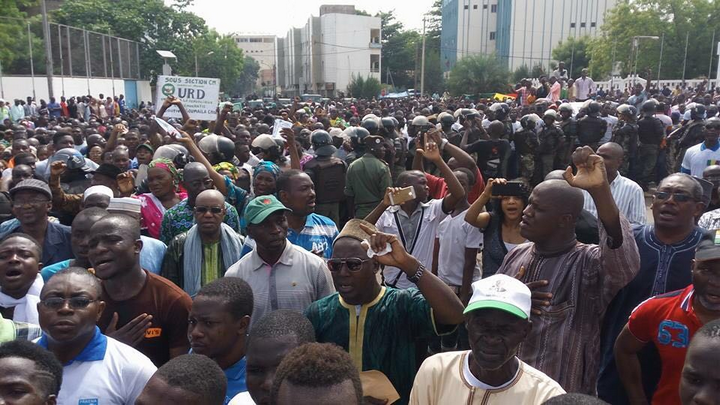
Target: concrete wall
{"points": [[22, 87]]}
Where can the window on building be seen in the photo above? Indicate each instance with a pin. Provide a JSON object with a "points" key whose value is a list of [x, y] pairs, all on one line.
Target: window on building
{"points": [[466, 7], [374, 63], [268, 40], [492, 36], [484, 6], [572, 25], [593, 25], [375, 36], [255, 39], [493, 8], [475, 7], [582, 25]]}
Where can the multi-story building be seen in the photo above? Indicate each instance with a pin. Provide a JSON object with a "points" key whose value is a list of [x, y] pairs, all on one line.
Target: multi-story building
{"points": [[324, 55], [262, 48], [521, 32]]}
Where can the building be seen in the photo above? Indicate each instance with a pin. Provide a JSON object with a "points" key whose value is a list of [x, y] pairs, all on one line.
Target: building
{"points": [[324, 55], [520, 32], [262, 48]]}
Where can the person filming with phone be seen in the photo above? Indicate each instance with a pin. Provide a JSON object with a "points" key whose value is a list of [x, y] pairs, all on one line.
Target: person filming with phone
{"points": [[406, 212], [501, 227]]}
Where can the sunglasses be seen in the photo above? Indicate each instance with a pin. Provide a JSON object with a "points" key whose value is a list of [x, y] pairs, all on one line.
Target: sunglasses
{"points": [[353, 264], [665, 195], [75, 302], [203, 210]]}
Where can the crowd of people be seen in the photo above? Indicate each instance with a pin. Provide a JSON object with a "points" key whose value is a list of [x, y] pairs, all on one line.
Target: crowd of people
{"points": [[411, 251]]}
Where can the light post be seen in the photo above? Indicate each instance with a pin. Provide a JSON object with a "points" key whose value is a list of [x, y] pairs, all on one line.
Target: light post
{"points": [[197, 71], [636, 43]]}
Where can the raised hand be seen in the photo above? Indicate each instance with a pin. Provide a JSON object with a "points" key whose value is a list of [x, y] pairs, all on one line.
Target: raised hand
{"points": [[57, 168], [398, 257], [591, 169]]}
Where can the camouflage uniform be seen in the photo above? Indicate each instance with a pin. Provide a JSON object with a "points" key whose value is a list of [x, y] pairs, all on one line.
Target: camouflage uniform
{"points": [[526, 142], [625, 134]]}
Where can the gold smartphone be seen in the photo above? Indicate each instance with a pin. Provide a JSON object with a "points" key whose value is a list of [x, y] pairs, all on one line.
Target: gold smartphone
{"points": [[404, 194]]}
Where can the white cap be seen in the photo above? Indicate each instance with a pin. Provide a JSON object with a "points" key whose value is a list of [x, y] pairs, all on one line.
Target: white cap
{"points": [[105, 190], [501, 292], [125, 204]]}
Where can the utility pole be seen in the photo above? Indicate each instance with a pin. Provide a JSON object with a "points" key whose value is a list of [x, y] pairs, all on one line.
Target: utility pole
{"points": [[712, 46], [422, 63], [662, 45], [687, 38], [612, 68], [48, 48], [32, 62]]}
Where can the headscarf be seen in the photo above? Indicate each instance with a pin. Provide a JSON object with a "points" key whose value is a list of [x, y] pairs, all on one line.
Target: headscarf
{"points": [[168, 166], [234, 173], [265, 166]]}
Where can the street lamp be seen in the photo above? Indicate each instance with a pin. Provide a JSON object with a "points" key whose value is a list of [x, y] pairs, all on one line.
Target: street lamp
{"points": [[166, 55], [197, 74], [636, 41]]}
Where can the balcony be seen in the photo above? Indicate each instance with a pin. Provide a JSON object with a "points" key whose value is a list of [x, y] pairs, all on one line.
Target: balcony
{"points": [[375, 45]]}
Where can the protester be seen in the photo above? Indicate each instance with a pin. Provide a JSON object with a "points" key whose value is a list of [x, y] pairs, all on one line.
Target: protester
{"points": [[20, 281], [162, 181], [29, 374], [498, 321], [95, 367], [183, 380], [698, 383]]}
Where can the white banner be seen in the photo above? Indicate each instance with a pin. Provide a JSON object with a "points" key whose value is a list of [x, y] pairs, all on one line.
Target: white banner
{"points": [[199, 95]]}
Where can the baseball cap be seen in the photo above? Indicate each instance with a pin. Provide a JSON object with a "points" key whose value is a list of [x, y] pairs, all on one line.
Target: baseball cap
{"points": [[108, 170], [502, 292], [261, 207], [35, 185], [264, 141], [709, 246]]}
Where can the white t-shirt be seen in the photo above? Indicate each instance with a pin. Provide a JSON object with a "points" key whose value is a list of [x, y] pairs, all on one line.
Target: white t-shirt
{"points": [[455, 236], [698, 157], [117, 379], [611, 121], [242, 398], [422, 249], [666, 121]]}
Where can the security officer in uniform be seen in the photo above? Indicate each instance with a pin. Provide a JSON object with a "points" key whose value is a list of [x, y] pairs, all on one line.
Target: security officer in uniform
{"points": [[526, 142], [501, 112], [357, 136], [568, 124], [650, 134], [328, 174], [690, 134], [625, 134], [550, 143], [591, 127], [446, 121]]}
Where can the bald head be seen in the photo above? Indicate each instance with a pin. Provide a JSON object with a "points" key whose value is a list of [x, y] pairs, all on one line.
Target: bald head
{"points": [[612, 155], [555, 175], [565, 198], [613, 149], [194, 170], [210, 198]]}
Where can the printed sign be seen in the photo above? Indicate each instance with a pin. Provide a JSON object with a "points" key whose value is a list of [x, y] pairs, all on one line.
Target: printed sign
{"points": [[199, 96]]}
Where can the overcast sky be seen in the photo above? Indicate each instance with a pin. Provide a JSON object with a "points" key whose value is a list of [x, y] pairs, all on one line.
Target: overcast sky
{"points": [[277, 16]]}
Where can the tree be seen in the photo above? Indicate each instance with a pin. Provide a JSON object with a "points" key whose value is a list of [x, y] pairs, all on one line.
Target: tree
{"points": [[361, 87], [13, 35], [538, 70], [400, 52], [673, 18], [478, 74], [575, 53], [522, 72], [248, 78]]}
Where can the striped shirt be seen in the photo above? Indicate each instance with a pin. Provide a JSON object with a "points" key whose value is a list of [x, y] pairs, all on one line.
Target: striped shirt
{"points": [[565, 339], [629, 198], [317, 235], [710, 220]]}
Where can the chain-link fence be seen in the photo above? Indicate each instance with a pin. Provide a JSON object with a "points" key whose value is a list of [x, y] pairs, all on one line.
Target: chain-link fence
{"points": [[75, 52]]}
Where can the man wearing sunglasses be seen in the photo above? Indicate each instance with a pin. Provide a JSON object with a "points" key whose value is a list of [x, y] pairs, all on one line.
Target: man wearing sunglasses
{"points": [[379, 325], [205, 252], [180, 218], [707, 153], [97, 369], [667, 248]]}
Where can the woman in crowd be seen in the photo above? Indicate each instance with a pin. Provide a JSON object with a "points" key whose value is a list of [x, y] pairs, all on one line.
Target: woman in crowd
{"points": [[162, 180]]}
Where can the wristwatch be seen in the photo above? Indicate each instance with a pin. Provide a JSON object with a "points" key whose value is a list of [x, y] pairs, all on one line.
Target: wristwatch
{"points": [[418, 274]]}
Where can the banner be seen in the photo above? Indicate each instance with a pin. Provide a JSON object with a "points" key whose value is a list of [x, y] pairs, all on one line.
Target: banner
{"points": [[199, 95]]}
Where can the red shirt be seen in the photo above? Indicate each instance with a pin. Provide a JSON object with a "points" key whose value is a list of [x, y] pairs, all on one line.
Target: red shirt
{"points": [[669, 321], [438, 187]]}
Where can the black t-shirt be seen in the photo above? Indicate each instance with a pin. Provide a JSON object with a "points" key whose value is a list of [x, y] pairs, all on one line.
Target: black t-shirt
{"points": [[491, 156]]}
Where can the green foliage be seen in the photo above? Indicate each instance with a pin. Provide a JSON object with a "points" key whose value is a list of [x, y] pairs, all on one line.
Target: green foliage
{"points": [[673, 18], [522, 72], [248, 78], [159, 27], [362, 12], [478, 74], [401, 51], [538, 70], [574, 52], [361, 87], [13, 33]]}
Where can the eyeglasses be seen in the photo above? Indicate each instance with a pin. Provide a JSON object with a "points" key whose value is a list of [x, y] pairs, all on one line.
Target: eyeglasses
{"points": [[32, 203], [353, 264], [75, 302], [203, 210], [665, 195]]}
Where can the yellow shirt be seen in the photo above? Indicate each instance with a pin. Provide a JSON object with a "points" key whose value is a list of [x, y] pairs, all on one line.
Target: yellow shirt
{"points": [[441, 380]]}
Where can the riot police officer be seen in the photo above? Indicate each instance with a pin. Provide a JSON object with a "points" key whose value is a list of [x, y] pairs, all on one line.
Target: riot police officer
{"points": [[625, 134], [550, 143], [650, 134], [568, 124], [591, 127], [690, 134], [357, 136], [526, 142], [328, 174]]}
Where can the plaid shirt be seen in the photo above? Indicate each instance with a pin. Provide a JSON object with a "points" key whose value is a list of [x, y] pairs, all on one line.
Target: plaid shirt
{"points": [[11, 330], [565, 339]]}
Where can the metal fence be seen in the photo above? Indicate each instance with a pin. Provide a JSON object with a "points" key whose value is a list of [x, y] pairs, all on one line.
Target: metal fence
{"points": [[75, 52]]}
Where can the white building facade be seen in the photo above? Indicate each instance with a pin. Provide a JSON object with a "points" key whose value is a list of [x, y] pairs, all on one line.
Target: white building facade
{"points": [[324, 55], [521, 32], [262, 49]]}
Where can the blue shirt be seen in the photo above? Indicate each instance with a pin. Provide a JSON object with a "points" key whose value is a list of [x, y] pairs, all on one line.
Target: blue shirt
{"points": [[235, 375], [663, 268], [317, 235], [93, 351], [151, 258]]}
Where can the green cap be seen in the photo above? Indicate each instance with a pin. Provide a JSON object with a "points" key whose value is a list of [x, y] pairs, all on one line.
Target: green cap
{"points": [[261, 207]]}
